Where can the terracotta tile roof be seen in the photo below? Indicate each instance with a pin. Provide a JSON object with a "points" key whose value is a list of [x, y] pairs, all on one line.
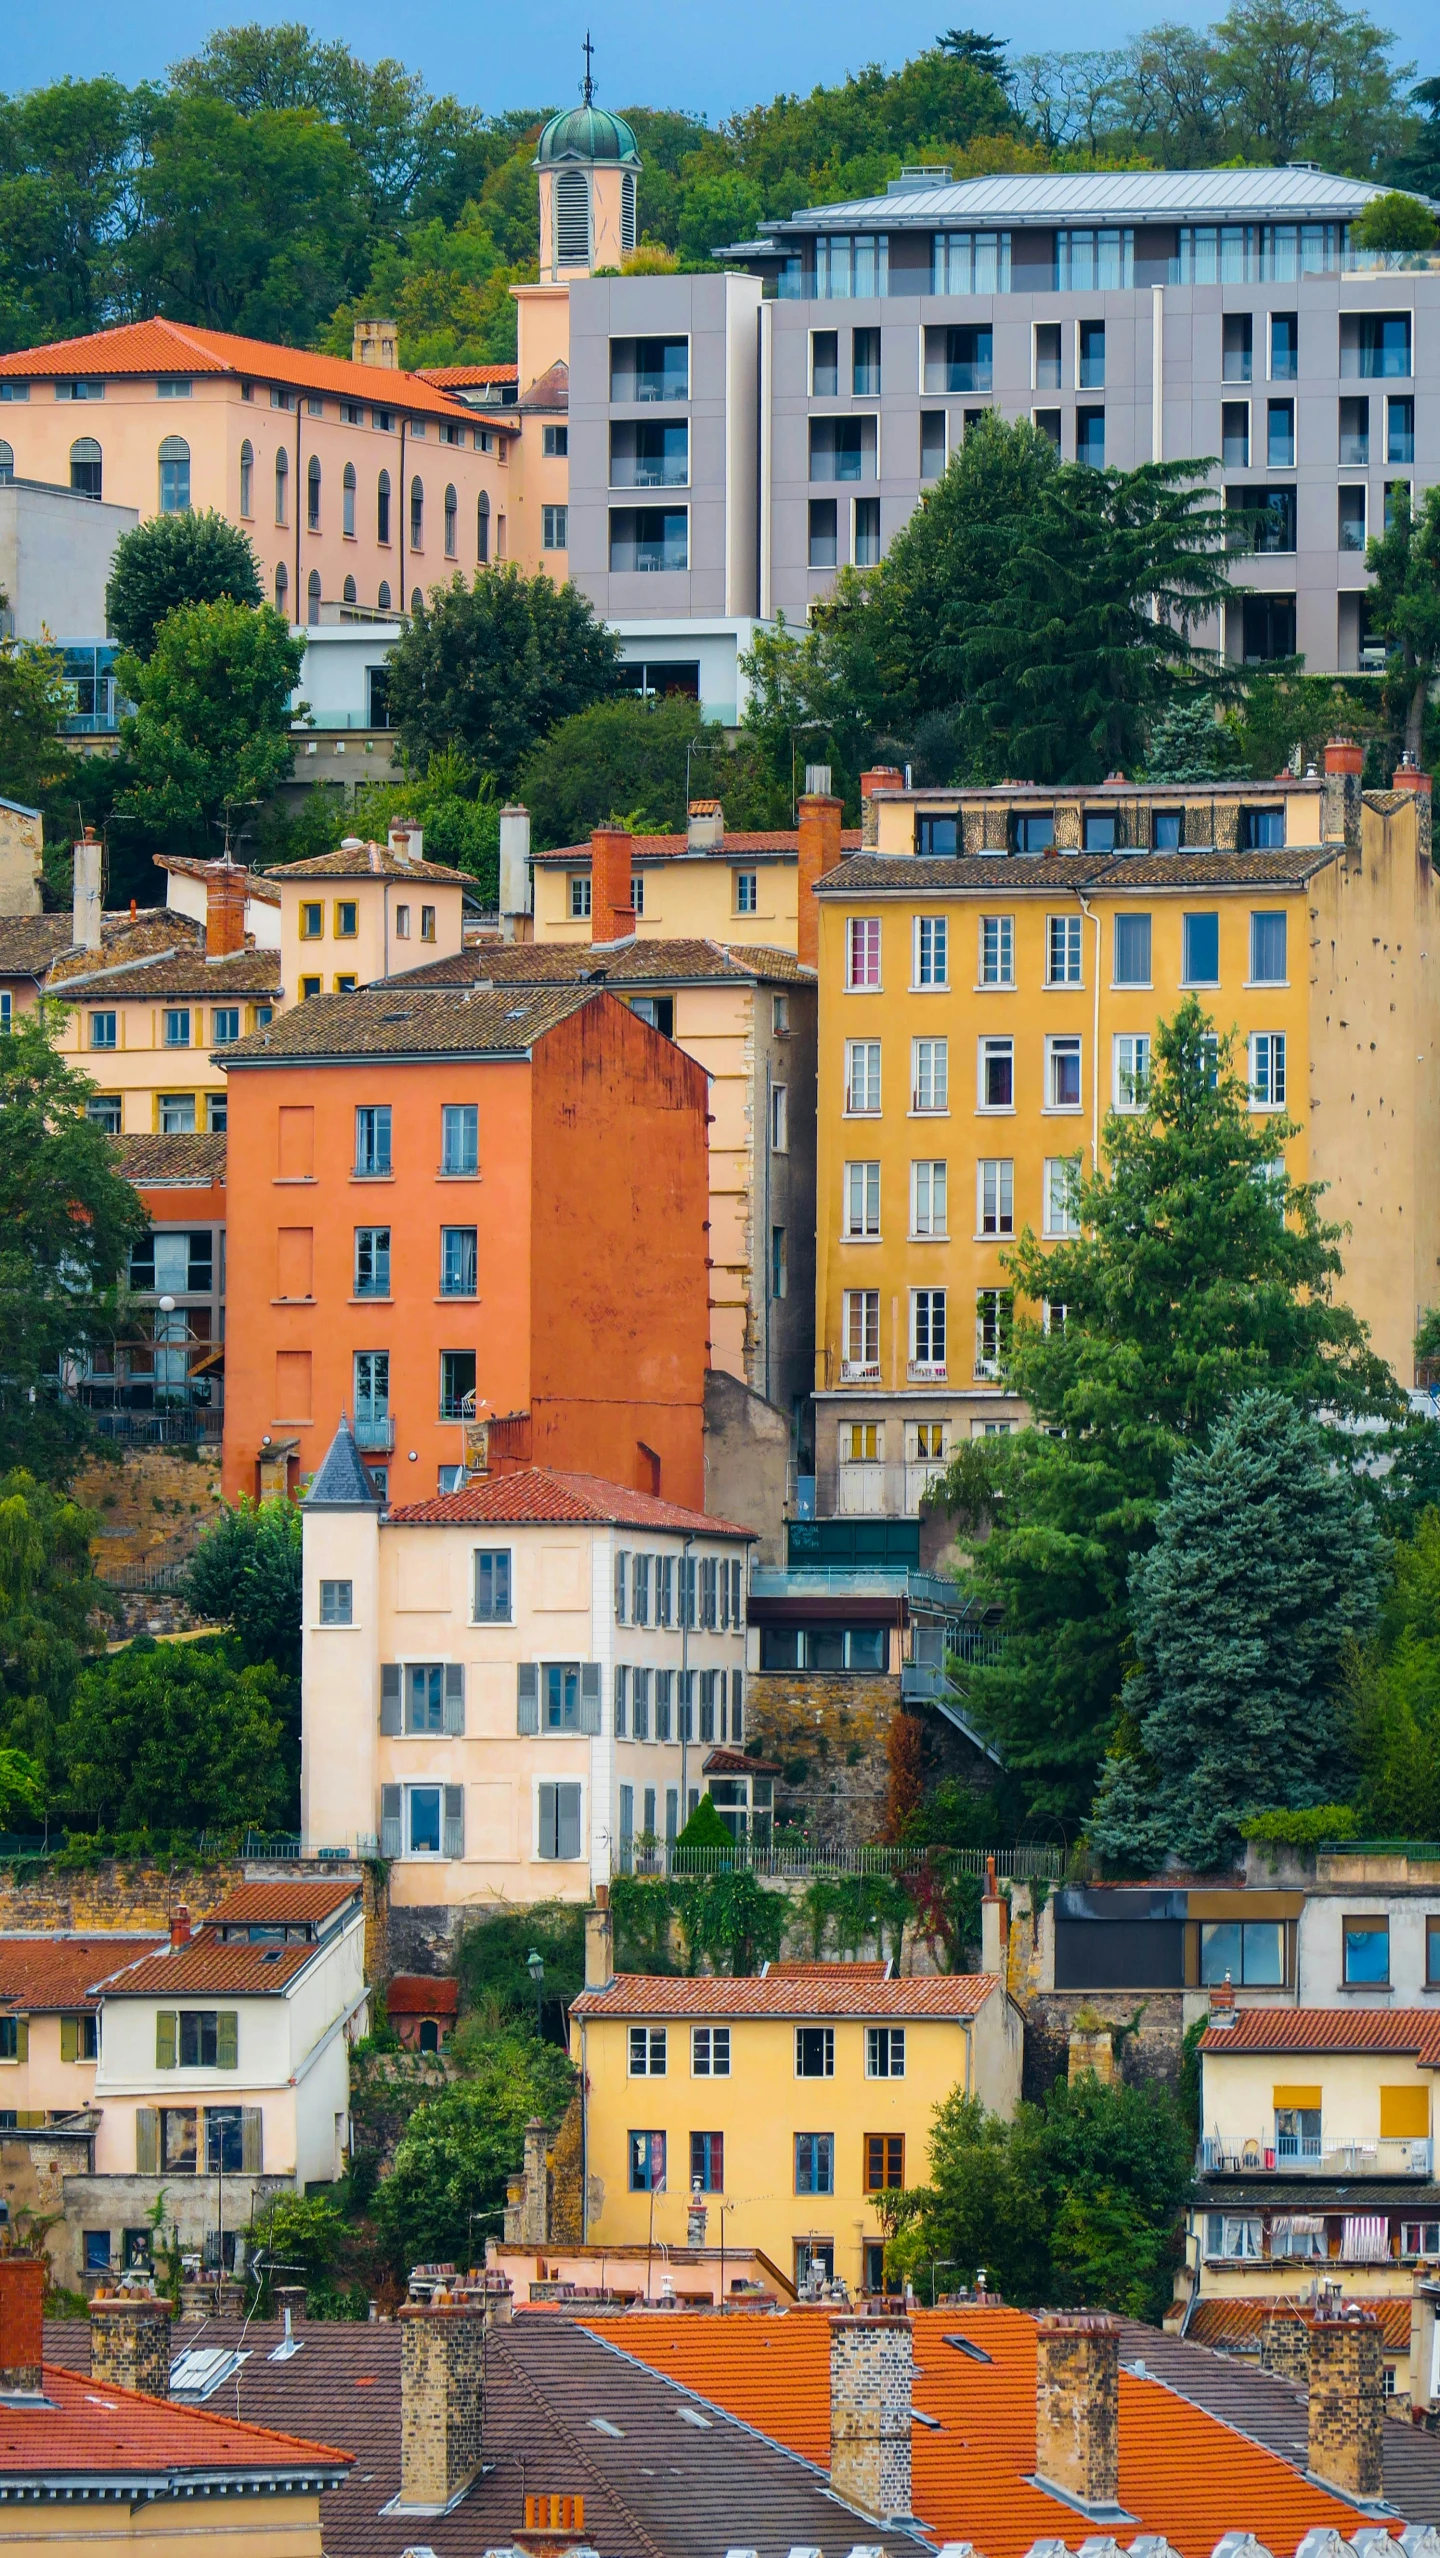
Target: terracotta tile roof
{"points": [[40, 1975], [900, 874], [164, 346], [808, 1971], [1330, 2029], [94, 2430], [668, 848], [541, 1493], [33, 945], [739, 1763], [421, 1994], [629, 963], [372, 861], [174, 1162], [550, 391], [240, 972], [832, 1991], [1237, 2326], [225, 1971], [189, 866], [28, 943], [449, 377], [441, 1024], [290, 1901]]}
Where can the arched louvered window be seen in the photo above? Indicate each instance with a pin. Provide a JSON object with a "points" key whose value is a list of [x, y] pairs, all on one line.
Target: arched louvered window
{"points": [[312, 612], [572, 218], [312, 506], [382, 508], [627, 213], [247, 478], [383, 598], [174, 476], [7, 463], [347, 503], [282, 485], [347, 592], [482, 529], [417, 515], [282, 586], [417, 600], [85, 466], [452, 512]]}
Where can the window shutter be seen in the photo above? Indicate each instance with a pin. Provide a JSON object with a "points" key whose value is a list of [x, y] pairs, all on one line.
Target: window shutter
{"points": [[227, 2038], [527, 1696], [390, 1696], [251, 2140], [622, 1561], [389, 1820], [69, 2038], [589, 1696], [547, 1821], [147, 2141], [737, 1708], [454, 1706], [454, 1820], [568, 1819], [22, 2038], [165, 2023]]}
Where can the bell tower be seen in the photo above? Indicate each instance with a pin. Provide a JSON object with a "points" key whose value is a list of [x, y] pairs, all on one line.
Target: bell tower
{"points": [[587, 163]]}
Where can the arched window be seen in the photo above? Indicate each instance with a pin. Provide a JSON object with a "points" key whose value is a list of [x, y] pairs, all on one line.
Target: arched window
{"points": [[312, 504], [572, 219], [417, 515], [382, 508], [347, 503], [482, 528], [85, 466], [452, 510], [282, 586], [347, 591], [7, 463], [282, 483], [383, 598], [174, 476], [312, 614], [417, 600], [627, 213], [247, 479]]}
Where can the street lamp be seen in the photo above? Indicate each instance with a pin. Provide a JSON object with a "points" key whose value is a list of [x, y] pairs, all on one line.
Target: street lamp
{"points": [[535, 1966]]}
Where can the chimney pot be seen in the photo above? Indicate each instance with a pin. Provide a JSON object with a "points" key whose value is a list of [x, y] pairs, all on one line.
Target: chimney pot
{"points": [[407, 840], [179, 1929], [705, 826], [1347, 2402], [1342, 755], [1077, 2405], [130, 2342], [442, 2370], [225, 886], [1408, 776], [375, 342], [22, 2325], [881, 777], [872, 2370], [817, 846], [612, 894]]}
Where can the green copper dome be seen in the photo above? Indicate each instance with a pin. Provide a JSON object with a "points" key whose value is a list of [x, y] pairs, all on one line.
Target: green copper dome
{"points": [[587, 133]]}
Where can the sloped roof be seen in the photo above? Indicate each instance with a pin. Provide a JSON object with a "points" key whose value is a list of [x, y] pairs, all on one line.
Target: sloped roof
{"points": [[542, 1493], [452, 377], [1297, 192], [190, 866], [165, 346], [1237, 2326], [99, 976], [1330, 2029], [633, 962], [341, 1481], [28, 943], [670, 848], [171, 1162], [230, 1971], [829, 1993], [291, 1899], [421, 1994], [372, 861], [45, 1974], [371, 1023], [550, 390], [94, 2430], [899, 875]]}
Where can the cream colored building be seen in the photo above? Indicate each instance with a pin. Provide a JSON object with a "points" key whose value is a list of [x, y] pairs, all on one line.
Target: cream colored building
{"points": [[720, 883]]}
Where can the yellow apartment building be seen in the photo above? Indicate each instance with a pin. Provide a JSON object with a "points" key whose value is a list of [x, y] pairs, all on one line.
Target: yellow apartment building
{"points": [[992, 971], [788, 2104], [718, 883]]}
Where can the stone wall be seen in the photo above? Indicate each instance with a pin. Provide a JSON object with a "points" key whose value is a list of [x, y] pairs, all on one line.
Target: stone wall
{"points": [[1148, 2050], [149, 1497], [829, 1732]]}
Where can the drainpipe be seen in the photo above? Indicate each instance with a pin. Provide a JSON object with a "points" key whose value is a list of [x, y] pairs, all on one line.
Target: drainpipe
{"points": [[1094, 1043], [404, 502], [299, 509], [685, 1707]]}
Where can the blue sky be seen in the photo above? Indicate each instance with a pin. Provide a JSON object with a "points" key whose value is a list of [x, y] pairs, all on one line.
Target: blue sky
{"points": [[677, 53]]}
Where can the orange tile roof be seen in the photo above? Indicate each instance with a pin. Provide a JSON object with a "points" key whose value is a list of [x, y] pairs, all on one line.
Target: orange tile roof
{"points": [[539, 1492], [1330, 2029], [40, 1975], [227, 1971], [92, 2429], [421, 1994], [1182, 2472], [275, 1903], [450, 376], [164, 346], [1236, 2326], [810, 1971], [372, 861], [831, 1990]]}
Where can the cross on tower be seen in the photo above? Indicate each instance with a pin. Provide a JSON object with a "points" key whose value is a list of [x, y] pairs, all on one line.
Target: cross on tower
{"points": [[587, 85]]}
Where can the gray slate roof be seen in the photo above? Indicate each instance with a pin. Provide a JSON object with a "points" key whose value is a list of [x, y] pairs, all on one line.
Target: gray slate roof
{"points": [[342, 1482], [1124, 195]]}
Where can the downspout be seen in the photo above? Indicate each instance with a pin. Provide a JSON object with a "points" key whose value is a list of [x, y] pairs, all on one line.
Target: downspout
{"points": [[685, 1705], [584, 2138], [299, 512], [404, 501], [1094, 1043]]}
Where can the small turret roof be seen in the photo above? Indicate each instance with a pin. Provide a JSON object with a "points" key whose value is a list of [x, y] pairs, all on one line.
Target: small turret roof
{"points": [[342, 1482], [587, 133]]}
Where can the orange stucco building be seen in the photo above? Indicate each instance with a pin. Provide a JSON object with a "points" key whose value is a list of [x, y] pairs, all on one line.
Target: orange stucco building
{"points": [[451, 1210]]}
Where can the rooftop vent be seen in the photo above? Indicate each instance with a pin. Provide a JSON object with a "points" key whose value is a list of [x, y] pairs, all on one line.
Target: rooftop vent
{"points": [[919, 179]]}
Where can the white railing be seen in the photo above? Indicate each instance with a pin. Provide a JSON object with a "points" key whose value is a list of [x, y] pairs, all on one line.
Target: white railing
{"points": [[1291, 2154]]}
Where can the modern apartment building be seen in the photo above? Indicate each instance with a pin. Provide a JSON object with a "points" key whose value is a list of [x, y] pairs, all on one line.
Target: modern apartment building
{"points": [[998, 966]]}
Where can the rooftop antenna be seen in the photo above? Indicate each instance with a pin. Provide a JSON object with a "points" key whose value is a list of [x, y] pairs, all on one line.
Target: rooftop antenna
{"points": [[587, 85]]}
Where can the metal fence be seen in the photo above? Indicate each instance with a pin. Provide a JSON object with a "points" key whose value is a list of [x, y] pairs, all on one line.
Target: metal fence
{"points": [[160, 1429], [793, 1860]]}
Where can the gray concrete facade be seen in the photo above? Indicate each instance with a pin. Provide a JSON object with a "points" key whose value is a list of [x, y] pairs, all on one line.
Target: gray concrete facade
{"points": [[56, 547]]}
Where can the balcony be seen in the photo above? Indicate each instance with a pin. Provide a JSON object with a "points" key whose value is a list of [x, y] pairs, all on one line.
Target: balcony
{"points": [[374, 1430], [1291, 2155]]}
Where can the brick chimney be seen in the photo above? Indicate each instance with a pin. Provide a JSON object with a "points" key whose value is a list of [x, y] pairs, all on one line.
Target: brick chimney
{"points": [[1222, 2002], [818, 848], [704, 826], [1344, 755], [1347, 2402], [375, 342], [130, 2341], [612, 908], [535, 2190], [179, 1929], [872, 2366], [553, 2525], [85, 932], [879, 777], [406, 840], [225, 885], [442, 2372], [1408, 776], [599, 1941], [1077, 2405], [22, 2325]]}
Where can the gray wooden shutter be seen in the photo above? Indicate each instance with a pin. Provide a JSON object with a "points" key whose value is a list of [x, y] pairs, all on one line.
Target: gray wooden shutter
{"points": [[147, 2140], [737, 1708], [454, 1833], [547, 1821], [527, 1696], [389, 1820], [453, 1710], [390, 1696], [252, 2156], [590, 1696], [567, 1806]]}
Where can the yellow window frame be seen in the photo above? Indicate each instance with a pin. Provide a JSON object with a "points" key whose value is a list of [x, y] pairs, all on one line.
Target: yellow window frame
{"points": [[312, 919], [347, 906]]}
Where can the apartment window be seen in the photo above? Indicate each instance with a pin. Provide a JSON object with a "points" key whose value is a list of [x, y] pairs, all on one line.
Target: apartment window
{"points": [[994, 1313], [928, 1212], [177, 1114], [1165, 830], [648, 540], [347, 919], [554, 528], [747, 892], [174, 458], [814, 2162], [867, 532], [937, 835], [960, 359], [1367, 1952], [1200, 950], [1047, 423], [492, 1586], [862, 1202], [1132, 1070], [559, 1833], [103, 1111], [707, 2162], [862, 1330], [1400, 430], [1251, 1951], [372, 1138], [1267, 1070], [1090, 437], [177, 1026], [579, 895], [997, 1074], [884, 2161], [843, 448], [1267, 628], [1062, 1074], [1132, 950], [1396, 493], [103, 1030], [1061, 1201], [1235, 435], [995, 1199], [1062, 950], [647, 2051], [997, 950], [457, 1385], [646, 2151], [1098, 828], [417, 515], [382, 509], [555, 440], [884, 2051], [1048, 356], [862, 944], [1375, 345], [824, 532], [825, 363], [372, 1261], [312, 502], [1261, 523], [865, 363], [779, 1119], [1350, 526], [1267, 943], [460, 1137], [1235, 2239], [1035, 834], [927, 1328], [312, 920], [931, 950], [225, 1025], [932, 443], [282, 485], [930, 1074], [459, 1256], [862, 1077], [1091, 373], [1280, 437], [639, 1590], [1355, 434], [1237, 354], [649, 369]]}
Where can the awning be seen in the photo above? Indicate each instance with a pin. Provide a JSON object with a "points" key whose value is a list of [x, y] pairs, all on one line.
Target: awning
{"points": [[1365, 2242], [1306, 2224]]}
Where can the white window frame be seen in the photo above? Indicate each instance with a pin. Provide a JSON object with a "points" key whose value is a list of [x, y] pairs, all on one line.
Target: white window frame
{"points": [[868, 1362], [930, 957], [779, 1119], [997, 931], [987, 1364], [994, 1197], [869, 1049], [863, 949], [929, 1174], [889, 2039], [935, 1054], [1131, 985], [717, 2060], [984, 1049], [649, 2044], [1072, 932], [1061, 1177], [929, 1335], [861, 1202], [1267, 1050], [1064, 1044], [1131, 1082]]}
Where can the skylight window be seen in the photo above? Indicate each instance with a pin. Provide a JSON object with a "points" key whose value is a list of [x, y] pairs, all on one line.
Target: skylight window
{"points": [[963, 2345], [602, 2425], [201, 2369], [692, 2416]]}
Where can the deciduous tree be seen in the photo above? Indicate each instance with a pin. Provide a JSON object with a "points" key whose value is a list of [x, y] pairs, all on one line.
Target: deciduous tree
{"points": [[1404, 564], [171, 560], [175, 1736], [210, 733], [490, 668], [444, 2193]]}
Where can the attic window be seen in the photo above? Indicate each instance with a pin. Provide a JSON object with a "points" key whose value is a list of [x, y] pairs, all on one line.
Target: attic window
{"points": [[919, 2417], [602, 2425], [963, 2345], [271, 1954], [692, 2416]]}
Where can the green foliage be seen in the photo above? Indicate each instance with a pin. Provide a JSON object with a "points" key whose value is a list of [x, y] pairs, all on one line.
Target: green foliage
{"points": [[1189, 744], [844, 1912], [67, 1221], [447, 290], [210, 732], [22, 1785], [48, 1595], [491, 1957], [626, 760], [33, 762], [455, 804], [1264, 1565], [731, 1922], [246, 1574], [446, 2189], [705, 1827], [1303, 1829], [301, 2236], [166, 1736], [1394, 222], [489, 668], [172, 560], [1286, 718], [1394, 1698], [1404, 565], [1201, 1270]]}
